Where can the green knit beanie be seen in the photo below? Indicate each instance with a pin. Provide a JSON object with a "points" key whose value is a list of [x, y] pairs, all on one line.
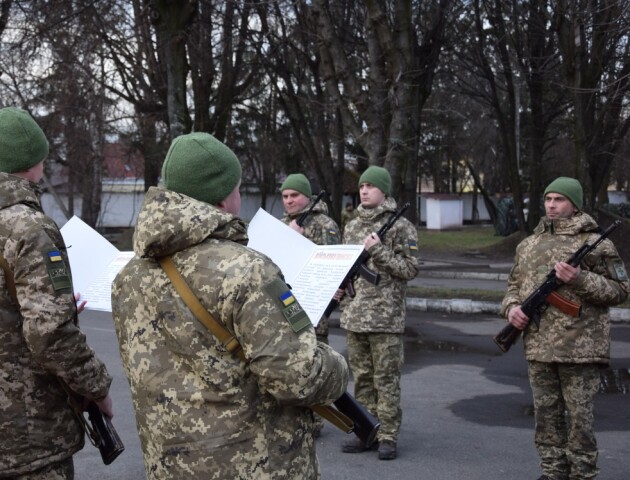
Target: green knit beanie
{"points": [[569, 187], [22, 143], [379, 177], [299, 183], [200, 166]]}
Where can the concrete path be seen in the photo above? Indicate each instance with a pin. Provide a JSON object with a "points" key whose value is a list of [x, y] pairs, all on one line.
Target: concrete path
{"points": [[478, 274]]}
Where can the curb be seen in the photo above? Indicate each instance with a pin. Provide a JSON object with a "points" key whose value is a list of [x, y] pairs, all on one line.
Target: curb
{"points": [[461, 305], [464, 275]]}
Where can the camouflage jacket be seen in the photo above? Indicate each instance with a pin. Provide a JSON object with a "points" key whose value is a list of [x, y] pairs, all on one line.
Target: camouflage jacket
{"points": [[40, 339], [202, 412], [601, 284], [319, 228], [381, 308]]}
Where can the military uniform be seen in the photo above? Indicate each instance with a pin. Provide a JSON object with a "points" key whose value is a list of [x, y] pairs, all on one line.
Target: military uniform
{"points": [[320, 229], [375, 317], [565, 353], [201, 412], [40, 340]]}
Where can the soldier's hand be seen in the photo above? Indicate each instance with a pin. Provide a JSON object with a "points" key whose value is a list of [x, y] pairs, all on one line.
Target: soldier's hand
{"points": [[371, 240], [296, 227], [339, 294], [105, 405], [517, 318], [80, 304], [566, 273]]}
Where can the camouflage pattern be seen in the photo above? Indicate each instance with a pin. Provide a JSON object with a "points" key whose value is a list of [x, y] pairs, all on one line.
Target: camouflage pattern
{"points": [[563, 355], [63, 470], [346, 216], [375, 317], [200, 411], [40, 339], [376, 360], [566, 446], [381, 308], [602, 283], [320, 229]]}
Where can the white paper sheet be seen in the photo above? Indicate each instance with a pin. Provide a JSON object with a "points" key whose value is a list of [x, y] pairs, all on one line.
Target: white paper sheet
{"points": [[314, 272], [94, 263]]}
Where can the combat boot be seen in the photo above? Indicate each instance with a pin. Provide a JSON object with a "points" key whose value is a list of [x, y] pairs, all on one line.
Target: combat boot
{"points": [[357, 446], [387, 450]]}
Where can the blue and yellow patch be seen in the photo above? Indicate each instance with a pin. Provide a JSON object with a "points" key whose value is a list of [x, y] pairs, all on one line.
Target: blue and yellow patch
{"points": [[290, 307], [287, 298], [413, 245], [55, 256]]}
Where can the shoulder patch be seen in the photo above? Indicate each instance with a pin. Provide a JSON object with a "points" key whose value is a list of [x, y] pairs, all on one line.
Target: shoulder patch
{"points": [[620, 271], [290, 307], [57, 270], [413, 245]]}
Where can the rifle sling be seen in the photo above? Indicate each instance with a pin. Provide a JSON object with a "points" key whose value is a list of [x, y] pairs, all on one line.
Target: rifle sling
{"points": [[230, 342]]}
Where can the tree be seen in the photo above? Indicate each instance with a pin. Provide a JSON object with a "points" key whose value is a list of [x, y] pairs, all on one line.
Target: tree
{"points": [[594, 38], [380, 76]]}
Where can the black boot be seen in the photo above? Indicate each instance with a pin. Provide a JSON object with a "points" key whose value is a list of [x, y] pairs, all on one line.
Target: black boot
{"points": [[357, 446], [387, 450]]}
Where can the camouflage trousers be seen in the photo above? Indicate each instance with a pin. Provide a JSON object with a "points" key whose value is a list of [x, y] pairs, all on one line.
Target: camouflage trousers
{"points": [[563, 408], [63, 470], [376, 360]]}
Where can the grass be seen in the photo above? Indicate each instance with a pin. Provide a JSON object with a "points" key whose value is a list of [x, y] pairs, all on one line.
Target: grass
{"points": [[469, 238]]}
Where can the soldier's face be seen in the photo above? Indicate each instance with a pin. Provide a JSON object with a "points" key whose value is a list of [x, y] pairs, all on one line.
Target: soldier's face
{"points": [[232, 203], [371, 196], [558, 206], [294, 201]]}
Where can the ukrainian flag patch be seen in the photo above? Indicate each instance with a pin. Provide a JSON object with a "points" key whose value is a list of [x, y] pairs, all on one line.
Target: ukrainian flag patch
{"points": [[54, 256], [413, 245], [287, 298], [289, 306]]}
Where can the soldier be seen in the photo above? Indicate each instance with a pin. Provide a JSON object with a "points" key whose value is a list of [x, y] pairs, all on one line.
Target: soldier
{"points": [[201, 411], [564, 356], [318, 227], [375, 317], [42, 346]]}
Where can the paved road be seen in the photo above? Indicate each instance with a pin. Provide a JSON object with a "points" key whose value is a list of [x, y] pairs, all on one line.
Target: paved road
{"points": [[467, 409]]}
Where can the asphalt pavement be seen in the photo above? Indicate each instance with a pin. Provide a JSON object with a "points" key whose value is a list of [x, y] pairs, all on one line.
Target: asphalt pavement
{"points": [[467, 407]]}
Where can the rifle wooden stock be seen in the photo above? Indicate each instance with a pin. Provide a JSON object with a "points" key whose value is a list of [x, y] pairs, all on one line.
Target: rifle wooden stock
{"points": [[350, 417], [507, 337]]}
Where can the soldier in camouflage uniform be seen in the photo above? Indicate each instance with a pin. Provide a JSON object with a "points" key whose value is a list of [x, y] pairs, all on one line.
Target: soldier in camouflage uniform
{"points": [[41, 342], [565, 354], [319, 228], [201, 411], [375, 317]]}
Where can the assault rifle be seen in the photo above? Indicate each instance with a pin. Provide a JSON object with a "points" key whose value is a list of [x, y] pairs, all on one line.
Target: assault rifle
{"points": [[300, 221], [535, 304], [359, 267], [103, 434]]}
